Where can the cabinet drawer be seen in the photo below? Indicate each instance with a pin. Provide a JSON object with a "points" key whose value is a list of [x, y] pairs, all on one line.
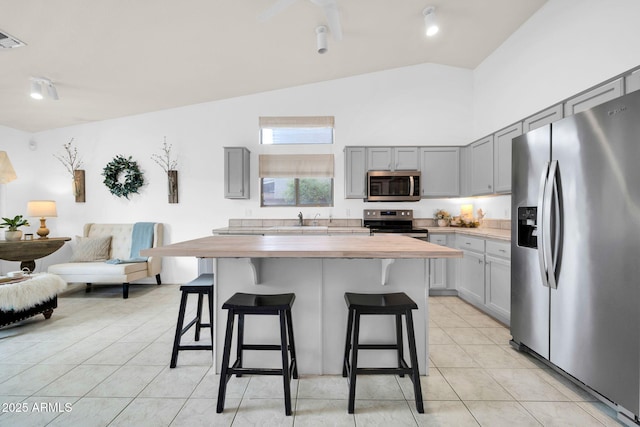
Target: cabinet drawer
{"points": [[470, 243], [499, 249], [438, 239]]}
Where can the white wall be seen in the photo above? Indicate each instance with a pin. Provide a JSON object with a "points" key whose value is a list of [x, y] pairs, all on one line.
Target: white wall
{"points": [[555, 54], [426, 104], [564, 48]]}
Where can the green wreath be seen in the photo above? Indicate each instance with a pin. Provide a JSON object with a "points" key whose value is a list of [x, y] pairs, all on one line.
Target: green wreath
{"points": [[133, 178]]}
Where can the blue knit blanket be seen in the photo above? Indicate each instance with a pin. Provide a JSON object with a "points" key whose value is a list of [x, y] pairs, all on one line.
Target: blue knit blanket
{"points": [[141, 238]]}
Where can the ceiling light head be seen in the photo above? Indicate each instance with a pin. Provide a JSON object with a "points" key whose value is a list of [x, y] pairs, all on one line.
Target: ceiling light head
{"points": [[36, 90], [321, 39], [53, 93], [38, 84], [430, 21]]}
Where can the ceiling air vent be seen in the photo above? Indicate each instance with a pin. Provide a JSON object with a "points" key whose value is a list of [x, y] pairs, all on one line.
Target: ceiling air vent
{"points": [[8, 41]]}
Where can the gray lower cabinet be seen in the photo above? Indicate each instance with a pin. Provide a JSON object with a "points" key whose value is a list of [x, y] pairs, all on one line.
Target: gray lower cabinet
{"points": [[498, 280], [236, 173], [471, 269], [440, 167], [355, 172], [542, 118], [593, 97], [442, 271], [484, 275], [502, 157], [481, 178], [471, 283]]}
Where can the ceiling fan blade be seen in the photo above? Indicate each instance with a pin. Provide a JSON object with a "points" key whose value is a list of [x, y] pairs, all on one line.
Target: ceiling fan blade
{"points": [[275, 9], [333, 19]]}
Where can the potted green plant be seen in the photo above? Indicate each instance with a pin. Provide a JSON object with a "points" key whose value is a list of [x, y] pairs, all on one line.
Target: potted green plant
{"points": [[12, 225]]}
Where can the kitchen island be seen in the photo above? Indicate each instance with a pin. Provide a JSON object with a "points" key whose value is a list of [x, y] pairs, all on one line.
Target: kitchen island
{"points": [[319, 270]]}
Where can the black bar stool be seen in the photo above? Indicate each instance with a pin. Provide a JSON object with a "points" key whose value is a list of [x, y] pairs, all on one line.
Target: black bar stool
{"points": [[246, 304], [396, 304], [201, 286]]}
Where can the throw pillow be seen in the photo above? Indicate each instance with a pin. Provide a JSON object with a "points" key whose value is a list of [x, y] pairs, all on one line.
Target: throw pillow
{"points": [[89, 249]]}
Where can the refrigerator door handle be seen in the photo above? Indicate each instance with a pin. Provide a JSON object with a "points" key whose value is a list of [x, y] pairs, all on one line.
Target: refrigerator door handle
{"points": [[541, 220], [552, 248]]}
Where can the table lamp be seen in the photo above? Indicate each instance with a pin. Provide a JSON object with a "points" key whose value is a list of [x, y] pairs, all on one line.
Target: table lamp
{"points": [[42, 209], [7, 173]]}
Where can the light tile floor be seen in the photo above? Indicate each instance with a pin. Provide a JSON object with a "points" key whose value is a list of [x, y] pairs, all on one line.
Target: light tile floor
{"points": [[101, 360]]}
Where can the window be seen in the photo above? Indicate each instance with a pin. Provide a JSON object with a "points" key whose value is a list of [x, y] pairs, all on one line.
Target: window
{"points": [[296, 180], [296, 130]]}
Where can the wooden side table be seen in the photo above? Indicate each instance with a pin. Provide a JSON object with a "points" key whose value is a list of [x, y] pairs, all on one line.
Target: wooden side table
{"points": [[27, 251]]}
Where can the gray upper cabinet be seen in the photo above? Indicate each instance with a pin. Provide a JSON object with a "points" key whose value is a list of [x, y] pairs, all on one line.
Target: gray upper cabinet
{"points": [[596, 96], [542, 118], [465, 171], [355, 172], [405, 158], [236, 173], [379, 158], [502, 157], [392, 158], [632, 82], [440, 167], [481, 178]]}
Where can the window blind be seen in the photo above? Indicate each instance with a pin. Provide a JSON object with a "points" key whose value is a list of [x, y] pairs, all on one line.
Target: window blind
{"points": [[295, 165], [297, 122], [296, 130]]}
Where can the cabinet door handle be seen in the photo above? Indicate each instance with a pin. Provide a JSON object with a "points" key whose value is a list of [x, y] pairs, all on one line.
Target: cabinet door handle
{"points": [[480, 261], [468, 243], [502, 250]]}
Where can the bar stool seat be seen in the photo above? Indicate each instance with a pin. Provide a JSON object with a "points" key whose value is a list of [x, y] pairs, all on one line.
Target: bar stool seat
{"points": [[395, 304], [201, 286], [241, 304]]}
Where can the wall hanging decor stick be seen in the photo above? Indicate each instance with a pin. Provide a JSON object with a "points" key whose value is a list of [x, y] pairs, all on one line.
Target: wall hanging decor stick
{"points": [[72, 162], [169, 166]]}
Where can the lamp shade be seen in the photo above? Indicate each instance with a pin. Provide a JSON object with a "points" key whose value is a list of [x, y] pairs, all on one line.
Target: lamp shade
{"points": [[42, 208], [7, 173]]}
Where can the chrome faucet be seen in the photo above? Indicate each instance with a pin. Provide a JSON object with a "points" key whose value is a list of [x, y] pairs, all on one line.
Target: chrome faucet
{"points": [[300, 219], [315, 221]]}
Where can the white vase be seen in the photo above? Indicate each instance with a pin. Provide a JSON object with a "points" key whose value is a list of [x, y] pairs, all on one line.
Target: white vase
{"points": [[443, 223], [12, 236]]}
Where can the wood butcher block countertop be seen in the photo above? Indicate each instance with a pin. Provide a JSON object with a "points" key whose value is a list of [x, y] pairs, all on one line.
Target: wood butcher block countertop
{"points": [[379, 246]]}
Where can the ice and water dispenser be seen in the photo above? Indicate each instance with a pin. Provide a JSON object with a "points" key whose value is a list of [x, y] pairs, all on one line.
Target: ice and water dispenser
{"points": [[527, 226]]}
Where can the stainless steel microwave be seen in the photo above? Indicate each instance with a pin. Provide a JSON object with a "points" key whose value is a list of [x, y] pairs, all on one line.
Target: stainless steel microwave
{"points": [[396, 186]]}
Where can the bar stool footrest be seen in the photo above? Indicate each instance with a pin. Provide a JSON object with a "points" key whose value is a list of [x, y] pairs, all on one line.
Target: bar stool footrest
{"points": [[377, 347], [195, 347], [254, 371], [261, 347]]}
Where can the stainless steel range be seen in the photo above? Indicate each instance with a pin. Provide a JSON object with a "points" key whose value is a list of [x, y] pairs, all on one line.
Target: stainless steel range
{"points": [[393, 221]]}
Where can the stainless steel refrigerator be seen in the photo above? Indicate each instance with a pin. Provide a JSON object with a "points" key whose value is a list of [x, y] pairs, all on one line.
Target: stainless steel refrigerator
{"points": [[575, 268]]}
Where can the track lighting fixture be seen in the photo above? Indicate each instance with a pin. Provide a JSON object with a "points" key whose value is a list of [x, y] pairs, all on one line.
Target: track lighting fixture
{"points": [[321, 38], [430, 22], [38, 84]]}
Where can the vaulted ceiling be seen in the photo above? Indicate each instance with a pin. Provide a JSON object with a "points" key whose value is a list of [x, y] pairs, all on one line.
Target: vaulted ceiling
{"points": [[113, 58]]}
